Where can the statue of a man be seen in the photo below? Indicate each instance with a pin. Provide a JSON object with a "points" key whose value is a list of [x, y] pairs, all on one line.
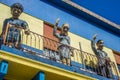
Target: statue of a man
{"points": [[103, 67]]}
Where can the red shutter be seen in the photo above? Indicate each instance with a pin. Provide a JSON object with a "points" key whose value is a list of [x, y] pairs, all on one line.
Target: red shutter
{"points": [[48, 32], [117, 57]]}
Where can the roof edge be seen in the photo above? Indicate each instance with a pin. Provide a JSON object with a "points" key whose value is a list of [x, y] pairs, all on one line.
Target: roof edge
{"points": [[69, 2]]}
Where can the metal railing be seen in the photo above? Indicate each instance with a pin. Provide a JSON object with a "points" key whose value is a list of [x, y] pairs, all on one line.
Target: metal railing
{"points": [[49, 47]]}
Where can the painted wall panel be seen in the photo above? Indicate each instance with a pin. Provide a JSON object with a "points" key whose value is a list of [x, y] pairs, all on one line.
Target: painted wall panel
{"points": [[48, 32], [117, 58], [4, 13]]}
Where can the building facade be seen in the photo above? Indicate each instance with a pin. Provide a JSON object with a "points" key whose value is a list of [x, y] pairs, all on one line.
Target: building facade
{"points": [[39, 57]]}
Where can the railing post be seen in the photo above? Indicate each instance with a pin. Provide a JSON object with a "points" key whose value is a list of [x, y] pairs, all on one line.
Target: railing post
{"points": [[5, 35], [114, 66], [82, 56]]}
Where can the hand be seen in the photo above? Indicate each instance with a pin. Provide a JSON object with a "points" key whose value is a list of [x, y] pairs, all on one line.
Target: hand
{"points": [[27, 31], [57, 21], [107, 59], [94, 37]]}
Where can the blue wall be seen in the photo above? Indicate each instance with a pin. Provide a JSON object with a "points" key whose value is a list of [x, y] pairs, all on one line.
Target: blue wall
{"points": [[50, 12]]}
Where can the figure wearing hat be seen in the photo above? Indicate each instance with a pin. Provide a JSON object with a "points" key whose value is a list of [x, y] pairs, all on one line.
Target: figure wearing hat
{"points": [[13, 36], [64, 46], [103, 67]]}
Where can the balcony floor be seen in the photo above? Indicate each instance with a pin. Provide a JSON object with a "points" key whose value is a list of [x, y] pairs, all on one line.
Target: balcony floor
{"points": [[24, 67]]}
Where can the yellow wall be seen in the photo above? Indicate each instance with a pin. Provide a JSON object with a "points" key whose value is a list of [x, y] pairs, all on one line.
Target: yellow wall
{"points": [[4, 13], [86, 45], [36, 26]]}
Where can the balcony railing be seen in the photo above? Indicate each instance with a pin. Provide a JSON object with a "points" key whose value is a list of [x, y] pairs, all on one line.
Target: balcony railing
{"points": [[81, 59]]}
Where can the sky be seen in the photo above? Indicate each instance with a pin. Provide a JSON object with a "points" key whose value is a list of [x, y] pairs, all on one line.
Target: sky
{"points": [[109, 9]]}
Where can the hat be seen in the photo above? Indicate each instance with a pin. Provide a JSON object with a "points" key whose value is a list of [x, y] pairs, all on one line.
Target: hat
{"points": [[66, 25]]}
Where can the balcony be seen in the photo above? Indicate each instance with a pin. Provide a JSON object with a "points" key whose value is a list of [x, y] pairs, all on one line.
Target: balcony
{"points": [[39, 48]]}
